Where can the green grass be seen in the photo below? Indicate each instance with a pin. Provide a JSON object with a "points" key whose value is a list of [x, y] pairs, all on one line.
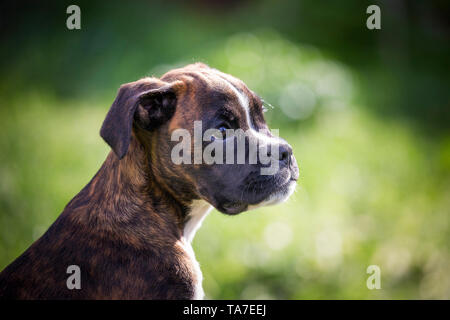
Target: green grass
{"points": [[373, 190]]}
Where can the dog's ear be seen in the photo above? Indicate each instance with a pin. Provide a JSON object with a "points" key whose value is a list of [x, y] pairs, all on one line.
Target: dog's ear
{"points": [[148, 104]]}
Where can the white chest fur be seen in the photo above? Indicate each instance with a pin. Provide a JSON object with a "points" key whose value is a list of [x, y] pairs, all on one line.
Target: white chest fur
{"points": [[199, 210]]}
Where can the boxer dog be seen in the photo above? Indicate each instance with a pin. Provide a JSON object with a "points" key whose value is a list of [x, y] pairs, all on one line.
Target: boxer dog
{"points": [[128, 232]]}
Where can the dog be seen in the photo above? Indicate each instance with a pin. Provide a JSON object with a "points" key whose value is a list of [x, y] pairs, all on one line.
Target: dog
{"points": [[128, 231]]}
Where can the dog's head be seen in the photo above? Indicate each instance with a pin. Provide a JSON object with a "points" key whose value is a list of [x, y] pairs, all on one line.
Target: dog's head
{"points": [[192, 114]]}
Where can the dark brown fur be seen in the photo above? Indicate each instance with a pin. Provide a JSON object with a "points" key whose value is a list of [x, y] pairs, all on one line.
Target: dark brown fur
{"points": [[125, 228], [114, 230]]}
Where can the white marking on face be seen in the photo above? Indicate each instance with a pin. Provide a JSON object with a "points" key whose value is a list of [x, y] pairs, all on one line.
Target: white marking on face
{"points": [[244, 103]]}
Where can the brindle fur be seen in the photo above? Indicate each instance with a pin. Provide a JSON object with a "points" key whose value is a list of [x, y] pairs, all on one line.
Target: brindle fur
{"points": [[113, 230], [125, 228]]}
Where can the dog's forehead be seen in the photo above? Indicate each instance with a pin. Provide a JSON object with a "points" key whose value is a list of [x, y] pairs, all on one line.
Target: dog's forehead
{"points": [[212, 85], [203, 77]]}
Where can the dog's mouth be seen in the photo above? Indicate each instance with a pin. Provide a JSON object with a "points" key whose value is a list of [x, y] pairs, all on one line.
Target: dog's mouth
{"points": [[268, 191], [233, 207]]}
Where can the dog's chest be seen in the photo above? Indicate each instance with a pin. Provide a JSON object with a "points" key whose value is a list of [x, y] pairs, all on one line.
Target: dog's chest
{"points": [[197, 275], [199, 210]]}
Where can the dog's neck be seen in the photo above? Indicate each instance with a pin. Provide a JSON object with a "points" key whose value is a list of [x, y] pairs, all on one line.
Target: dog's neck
{"points": [[198, 212], [125, 194]]}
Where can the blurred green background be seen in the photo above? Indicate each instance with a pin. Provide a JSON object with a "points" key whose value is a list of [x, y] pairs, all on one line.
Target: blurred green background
{"points": [[367, 113]]}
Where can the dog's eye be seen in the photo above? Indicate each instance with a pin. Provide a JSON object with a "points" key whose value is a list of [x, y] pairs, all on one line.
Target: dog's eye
{"points": [[221, 133], [223, 130]]}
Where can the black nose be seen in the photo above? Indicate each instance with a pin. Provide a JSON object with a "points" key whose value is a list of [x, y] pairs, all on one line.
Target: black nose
{"points": [[285, 153]]}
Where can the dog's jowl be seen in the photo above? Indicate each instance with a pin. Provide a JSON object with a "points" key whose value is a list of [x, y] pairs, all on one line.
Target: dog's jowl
{"points": [[129, 230]]}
